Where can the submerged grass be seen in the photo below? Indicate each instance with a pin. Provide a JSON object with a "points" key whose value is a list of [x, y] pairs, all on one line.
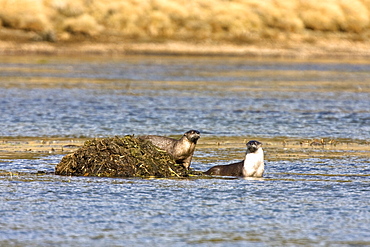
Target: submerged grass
{"points": [[243, 21]]}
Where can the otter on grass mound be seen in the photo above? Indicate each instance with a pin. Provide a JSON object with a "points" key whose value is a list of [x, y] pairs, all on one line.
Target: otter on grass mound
{"points": [[120, 157], [182, 150]]}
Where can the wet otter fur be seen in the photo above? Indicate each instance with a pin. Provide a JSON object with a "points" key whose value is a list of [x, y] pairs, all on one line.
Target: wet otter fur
{"points": [[251, 166], [182, 150]]}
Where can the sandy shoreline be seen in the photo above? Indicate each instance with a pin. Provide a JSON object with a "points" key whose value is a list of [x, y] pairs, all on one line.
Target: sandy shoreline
{"points": [[275, 148], [302, 50]]}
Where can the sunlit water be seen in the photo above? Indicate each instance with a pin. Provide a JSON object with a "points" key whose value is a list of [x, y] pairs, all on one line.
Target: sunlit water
{"points": [[311, 202], [167, 95]]}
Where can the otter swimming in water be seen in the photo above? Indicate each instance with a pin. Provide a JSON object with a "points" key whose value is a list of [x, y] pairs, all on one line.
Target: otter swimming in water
{"points": [[182, 150], [252, 166]]}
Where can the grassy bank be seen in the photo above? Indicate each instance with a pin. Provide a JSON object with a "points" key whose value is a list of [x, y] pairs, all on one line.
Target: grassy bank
{"points": [[268, 23]]}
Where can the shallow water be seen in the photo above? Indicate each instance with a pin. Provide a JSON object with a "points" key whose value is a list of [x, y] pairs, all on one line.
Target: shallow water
{"points": [[306, 202], [303, 202], [168, 95]]}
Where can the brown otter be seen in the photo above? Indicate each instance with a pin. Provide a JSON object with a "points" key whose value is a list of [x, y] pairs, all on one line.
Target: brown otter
{"points": [[251, 166], [182, 150]]}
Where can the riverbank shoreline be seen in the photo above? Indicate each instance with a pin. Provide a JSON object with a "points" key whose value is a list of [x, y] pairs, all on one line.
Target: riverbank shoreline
{"points": [[330, 29], [300, 50], [275, 148]]}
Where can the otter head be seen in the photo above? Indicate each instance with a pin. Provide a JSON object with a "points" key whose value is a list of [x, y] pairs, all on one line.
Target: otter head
{"points": [[192, 135], [253, 146]]}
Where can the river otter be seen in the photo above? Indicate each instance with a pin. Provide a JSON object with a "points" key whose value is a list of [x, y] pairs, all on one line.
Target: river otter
{"points": [[182, 150], [251, 166]]}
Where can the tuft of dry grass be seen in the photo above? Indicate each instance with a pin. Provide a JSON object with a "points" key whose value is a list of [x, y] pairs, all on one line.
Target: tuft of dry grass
{"points": [[27, 15], [341, 15], [356, 15], [230, 20], [83, 24]]}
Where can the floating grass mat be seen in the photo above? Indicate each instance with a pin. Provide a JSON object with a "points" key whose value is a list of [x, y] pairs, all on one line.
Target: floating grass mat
{"points": [[120, 157]]}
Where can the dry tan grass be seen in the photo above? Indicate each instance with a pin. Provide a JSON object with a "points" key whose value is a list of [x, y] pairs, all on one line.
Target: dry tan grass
{"points": [[356, 15], [232, 20], [84, 24], [28, 15], [330, 15]]}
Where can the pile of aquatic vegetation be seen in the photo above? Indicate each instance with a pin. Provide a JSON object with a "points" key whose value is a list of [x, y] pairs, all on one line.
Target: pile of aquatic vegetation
{"points": [[120, 157]]}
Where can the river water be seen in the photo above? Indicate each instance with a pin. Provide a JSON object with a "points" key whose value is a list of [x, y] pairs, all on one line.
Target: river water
{"points": [[303, 202]]}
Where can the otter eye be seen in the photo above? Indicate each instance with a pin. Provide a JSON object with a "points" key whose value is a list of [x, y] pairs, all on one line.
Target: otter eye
{"points": [[256, 143]]}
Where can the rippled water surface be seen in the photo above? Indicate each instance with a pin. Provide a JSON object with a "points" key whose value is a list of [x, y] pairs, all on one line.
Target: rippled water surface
{"points": [[302, 202], [167, 95]]}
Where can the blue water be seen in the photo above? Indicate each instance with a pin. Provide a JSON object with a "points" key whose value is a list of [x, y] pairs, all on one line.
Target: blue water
{"points": [[314, 202], [167, 95], [303, 202]]}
